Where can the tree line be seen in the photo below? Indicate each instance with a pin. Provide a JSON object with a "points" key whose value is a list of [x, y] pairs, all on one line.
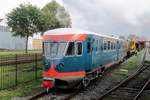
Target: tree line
{"points": [[27, 19]]}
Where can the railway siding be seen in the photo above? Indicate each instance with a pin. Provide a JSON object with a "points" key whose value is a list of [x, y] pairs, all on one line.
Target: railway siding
{"points": [[133, 86], [131, 89]]}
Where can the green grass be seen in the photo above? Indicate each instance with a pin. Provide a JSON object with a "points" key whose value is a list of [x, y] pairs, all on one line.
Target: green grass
{"points": [[22, 90], [126, 68], [26, 72]]}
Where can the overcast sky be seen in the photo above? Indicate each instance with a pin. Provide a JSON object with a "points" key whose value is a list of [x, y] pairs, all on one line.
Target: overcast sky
{"points": [[113, 17]]}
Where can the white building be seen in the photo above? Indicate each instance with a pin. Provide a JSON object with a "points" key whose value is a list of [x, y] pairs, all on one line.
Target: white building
{"points": [[7, 41]]}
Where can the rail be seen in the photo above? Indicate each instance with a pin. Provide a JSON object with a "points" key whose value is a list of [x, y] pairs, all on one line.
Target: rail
{"points": [[141, 68]]}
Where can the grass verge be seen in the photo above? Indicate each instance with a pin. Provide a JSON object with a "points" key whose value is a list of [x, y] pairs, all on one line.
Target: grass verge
{"points": [[126, 68], [13, 53], [21, 91]]}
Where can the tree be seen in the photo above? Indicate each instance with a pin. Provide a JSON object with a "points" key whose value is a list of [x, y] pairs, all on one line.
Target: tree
{"points": [[56, 16], [25, 20]]}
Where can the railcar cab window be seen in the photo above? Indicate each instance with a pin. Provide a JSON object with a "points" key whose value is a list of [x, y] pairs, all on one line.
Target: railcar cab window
{"points": [[79, 48], [54, 49], [70, 49]]}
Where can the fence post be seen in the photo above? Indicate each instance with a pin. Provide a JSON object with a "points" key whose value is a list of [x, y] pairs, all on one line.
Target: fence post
{"points": [[36, 66], [16, 63]]}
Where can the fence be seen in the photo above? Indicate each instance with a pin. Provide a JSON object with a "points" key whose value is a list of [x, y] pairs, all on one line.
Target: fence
{"points": [[18, 69]]}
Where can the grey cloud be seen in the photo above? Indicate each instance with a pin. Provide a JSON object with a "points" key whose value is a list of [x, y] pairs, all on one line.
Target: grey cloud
{"points": [[94, 15]]}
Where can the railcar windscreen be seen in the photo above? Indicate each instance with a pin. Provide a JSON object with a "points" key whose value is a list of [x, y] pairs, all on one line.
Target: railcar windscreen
{"points": [[54, 49]]}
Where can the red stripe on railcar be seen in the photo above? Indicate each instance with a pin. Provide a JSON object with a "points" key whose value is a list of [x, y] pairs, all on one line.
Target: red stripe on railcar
{"points": [[80, 37], [53, 74]]}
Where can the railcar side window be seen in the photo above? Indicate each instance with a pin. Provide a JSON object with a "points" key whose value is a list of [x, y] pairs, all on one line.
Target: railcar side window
{"points": [[108, 45], [88, 47], [105, 45], [112, 45], [102, 47], [99, 45], [79, 48], [96, 46], [71, 49], [119, 45]]}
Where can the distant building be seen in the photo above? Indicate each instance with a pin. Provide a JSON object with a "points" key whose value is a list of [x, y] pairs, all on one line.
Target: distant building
{"points": [[35, 42], [7, 41]]}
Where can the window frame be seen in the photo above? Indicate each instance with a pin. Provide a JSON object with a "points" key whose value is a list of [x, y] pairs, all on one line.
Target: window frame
{"points": [[112, 45], [97, 46], [90, 52], [76, 48], [47, 42], [67, 49], [105, 49], [108, 45]]}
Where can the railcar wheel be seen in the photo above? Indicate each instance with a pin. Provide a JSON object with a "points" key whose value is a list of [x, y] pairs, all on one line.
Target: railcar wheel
{"points": [[85, 82], [102, 69], [97, 74]]}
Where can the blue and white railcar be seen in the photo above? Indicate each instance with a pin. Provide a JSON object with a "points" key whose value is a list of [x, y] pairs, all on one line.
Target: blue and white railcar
{"points": [[73, 55]]}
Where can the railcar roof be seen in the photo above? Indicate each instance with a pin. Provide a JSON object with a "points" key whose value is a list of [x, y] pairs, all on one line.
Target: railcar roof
{"points": [[63, 31]]}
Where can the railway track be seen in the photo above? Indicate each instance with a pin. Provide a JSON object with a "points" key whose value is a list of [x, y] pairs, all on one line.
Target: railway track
{"points": [[37, 95], [58, 95], [132, 87]]}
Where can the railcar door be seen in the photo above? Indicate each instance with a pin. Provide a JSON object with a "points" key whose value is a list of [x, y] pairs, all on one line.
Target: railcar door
{"points": [[80, 62], [88, 55], [73, 60]]}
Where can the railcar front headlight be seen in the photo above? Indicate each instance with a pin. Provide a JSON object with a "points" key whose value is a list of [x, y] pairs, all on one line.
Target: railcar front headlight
{"points": [[60, 66]]}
